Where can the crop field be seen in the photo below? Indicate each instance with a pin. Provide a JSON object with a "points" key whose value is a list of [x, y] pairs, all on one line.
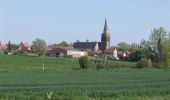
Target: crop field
{"points": [[35, 64], [24, 78]]}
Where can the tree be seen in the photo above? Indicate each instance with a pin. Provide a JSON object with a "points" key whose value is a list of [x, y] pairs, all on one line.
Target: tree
{"points": [[134, 47], [90, 52], [123, 46], [155, 45], [84, 62], [63, 43], [9, 46], [166, 51], [39, 46], [136, 56]]}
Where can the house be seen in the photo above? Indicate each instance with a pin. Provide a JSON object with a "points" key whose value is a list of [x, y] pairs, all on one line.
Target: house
{"points": [[111, 52], [25, 46], [66, 52], [3, 47], [56, 52]]}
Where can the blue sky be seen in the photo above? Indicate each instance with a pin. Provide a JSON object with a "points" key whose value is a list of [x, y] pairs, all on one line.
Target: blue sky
{"points": [[70, 20]]}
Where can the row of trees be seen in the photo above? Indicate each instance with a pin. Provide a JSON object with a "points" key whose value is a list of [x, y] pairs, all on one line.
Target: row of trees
{"points": [[123, 46]]}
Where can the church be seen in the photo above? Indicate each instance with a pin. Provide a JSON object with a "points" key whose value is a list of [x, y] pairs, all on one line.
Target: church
{"points": [[96, 46]]}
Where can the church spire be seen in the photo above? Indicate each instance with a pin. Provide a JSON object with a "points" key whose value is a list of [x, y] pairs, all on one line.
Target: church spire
{"points": [[105, 27], [105, 38]]}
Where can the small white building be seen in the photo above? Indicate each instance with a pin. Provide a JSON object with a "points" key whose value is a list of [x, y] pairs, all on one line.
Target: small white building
{"points": [[66, 52], [75, 53]]}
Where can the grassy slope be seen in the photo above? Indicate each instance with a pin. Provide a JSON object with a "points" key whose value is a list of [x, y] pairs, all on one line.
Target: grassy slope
{"points": [[23, 77]]}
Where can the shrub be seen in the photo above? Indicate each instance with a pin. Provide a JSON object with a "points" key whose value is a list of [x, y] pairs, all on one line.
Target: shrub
{"points": [[116, 65], [110, 65], [5, 51], [100, 66], [15, 52], [84, 62], [145, 63]]}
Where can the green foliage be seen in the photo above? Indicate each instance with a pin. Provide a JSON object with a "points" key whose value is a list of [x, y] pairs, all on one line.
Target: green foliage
{"points": [[100, 66], [63, 43], [108, 63], [79, 84], [90, 53], [140, 54], [22, 78], [111, 65], [155, 45], [16, 63], [84, 62], [166, 51], [144, 63], [123, 46], [22, 52], [9, 47], [39, 46], [136, 56], [15, 52]]}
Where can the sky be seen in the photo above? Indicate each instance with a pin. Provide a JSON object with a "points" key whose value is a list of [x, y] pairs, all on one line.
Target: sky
{"points": [[70, 20]]}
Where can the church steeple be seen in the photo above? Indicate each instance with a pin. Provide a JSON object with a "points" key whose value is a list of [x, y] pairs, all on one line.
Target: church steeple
{"points": [[105, 27], [105, 38]]}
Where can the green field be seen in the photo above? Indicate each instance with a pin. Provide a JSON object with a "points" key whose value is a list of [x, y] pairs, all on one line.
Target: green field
{"points": [[22, 78], [35, 64]]}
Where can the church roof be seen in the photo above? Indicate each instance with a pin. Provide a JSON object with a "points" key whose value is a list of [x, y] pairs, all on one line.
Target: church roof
{"points": [[85, 45]]}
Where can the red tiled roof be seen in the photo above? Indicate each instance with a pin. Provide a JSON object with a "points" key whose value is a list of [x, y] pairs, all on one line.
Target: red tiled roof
{"points": [[3, 47], [110, 50]]}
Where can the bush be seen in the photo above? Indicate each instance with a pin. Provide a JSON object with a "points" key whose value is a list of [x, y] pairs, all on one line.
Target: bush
{"points": [[116, 65], [146, 63], [84, 62], [110, 65], [100, 66], [15, 52]]}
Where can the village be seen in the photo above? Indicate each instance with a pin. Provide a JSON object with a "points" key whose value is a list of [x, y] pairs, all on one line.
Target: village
{"points": [[84, 50], [75, 50]]}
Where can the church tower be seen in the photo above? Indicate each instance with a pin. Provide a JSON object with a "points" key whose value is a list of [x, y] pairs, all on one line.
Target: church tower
{"points": [[105, 38]]}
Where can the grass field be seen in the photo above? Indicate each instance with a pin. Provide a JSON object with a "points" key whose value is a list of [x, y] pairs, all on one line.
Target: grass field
{"points": [[22, 78], [35, 64]]}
